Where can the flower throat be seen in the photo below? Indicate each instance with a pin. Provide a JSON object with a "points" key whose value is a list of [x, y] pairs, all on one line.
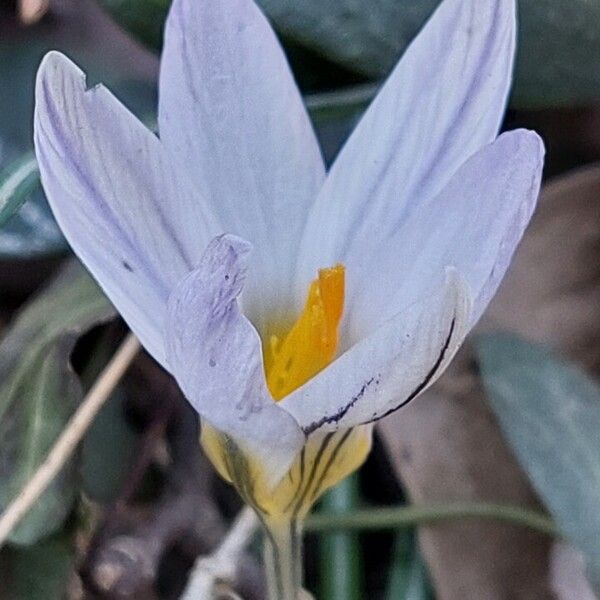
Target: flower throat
{"points": [[309, 346]]}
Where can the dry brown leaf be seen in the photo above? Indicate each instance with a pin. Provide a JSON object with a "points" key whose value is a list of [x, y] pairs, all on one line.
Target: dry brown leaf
{"points": [[552, 291], [447, 446]]}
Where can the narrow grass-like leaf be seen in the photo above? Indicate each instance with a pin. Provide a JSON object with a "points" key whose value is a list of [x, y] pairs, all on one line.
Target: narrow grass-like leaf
{"points": [[341, 563], [408, 574], [377, 519]]}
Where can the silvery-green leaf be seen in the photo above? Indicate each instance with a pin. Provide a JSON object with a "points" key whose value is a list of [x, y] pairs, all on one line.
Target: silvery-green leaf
{"points": [[39, 391], [17, 182], [557, 41], [550, 413]]}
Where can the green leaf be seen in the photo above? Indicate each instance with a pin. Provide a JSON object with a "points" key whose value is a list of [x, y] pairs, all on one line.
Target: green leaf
{"points": [[106, 450], [556, 39], [340, 552], [144, 18], [18, 181], [39, 391], [408, 574], [40, 572], [550, 413]]}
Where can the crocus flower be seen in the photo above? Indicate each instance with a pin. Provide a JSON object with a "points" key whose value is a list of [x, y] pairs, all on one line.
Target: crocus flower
{"points": [[354, 288]]}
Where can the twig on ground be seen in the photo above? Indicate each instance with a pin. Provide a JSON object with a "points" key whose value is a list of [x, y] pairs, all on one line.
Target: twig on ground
{"points": [[31, 11], [223, 563], [182, 522]]}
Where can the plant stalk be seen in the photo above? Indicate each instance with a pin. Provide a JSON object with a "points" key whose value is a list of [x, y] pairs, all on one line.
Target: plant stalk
{"points": [[283, 558]]}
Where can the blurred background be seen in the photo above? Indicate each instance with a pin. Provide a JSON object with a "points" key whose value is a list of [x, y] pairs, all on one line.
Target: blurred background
{"points": [[516, 419]]}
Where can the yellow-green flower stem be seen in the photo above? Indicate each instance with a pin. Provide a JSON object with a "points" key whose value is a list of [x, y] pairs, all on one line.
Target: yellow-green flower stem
{"points": [[283, 558], [324, 460]]}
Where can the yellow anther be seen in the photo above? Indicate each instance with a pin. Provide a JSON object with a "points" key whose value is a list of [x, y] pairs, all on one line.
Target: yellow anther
{"points": [[311, 343]]}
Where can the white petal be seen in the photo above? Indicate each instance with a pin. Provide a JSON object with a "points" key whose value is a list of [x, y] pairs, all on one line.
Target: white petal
{"points": [[127, 214], [441, 104], [389, 368], [231, 113], [215, 355], [474, 224]]}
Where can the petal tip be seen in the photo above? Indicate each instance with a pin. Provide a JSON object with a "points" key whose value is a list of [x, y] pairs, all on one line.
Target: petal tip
{"points": [[533, 142], [525, 147], [55, 74], [228, 248], [53, 60], [218, 280], [56, 64], [532, 150]]}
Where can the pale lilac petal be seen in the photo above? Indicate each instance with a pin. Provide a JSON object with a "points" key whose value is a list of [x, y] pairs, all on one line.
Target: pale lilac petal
{"points": [[474, 225], [442, 103], [126, 212], [215, 354], [231, 113], [389, 368]]}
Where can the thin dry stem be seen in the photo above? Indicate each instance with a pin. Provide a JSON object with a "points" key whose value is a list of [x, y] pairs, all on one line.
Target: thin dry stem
{"points": [[222, 564], [70, 437], [31, 11]]}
